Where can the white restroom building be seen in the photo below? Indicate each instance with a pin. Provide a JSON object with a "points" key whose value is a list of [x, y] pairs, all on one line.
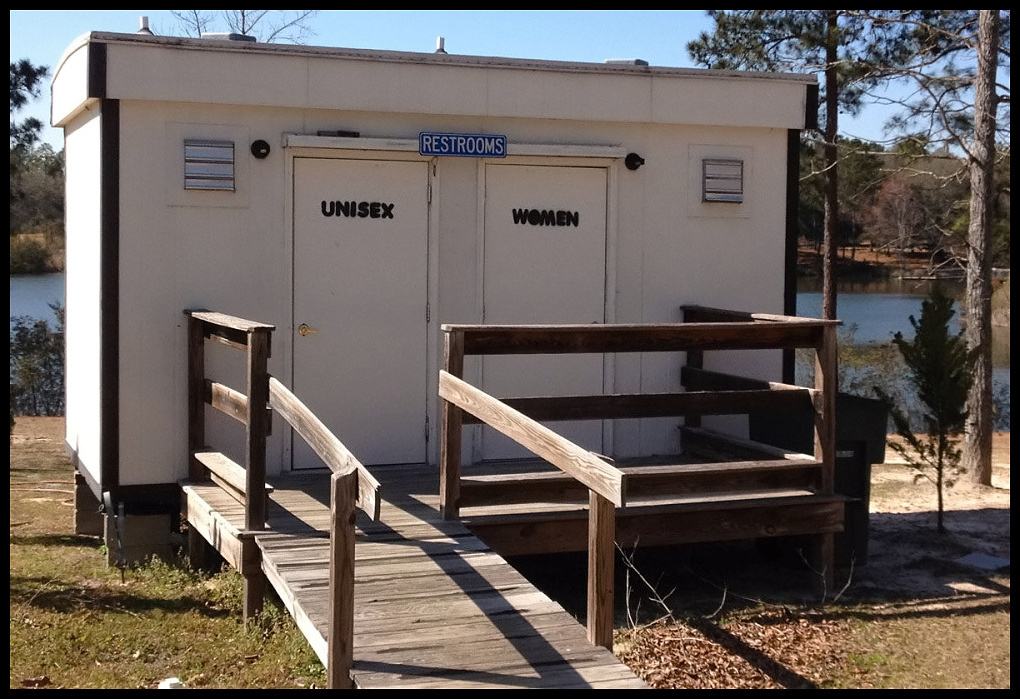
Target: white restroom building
{"points": [[358, 199]]}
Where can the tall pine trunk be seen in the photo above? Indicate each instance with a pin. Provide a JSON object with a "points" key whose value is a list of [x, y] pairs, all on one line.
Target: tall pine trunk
{"points": [[940, 476], [940, 522], [831, 223], [977, 452]]}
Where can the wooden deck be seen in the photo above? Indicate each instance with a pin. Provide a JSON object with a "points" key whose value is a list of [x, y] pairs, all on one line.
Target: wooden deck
{"points": [[390, 576], [434, 607]]}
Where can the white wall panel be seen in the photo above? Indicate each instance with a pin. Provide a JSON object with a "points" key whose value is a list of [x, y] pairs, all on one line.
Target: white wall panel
{"points": [[82, 289]]}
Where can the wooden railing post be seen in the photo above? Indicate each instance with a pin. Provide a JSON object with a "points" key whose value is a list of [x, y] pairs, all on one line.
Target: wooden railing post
{"points": [[257, 385], [340, 640], [451, 430], [197, 547], [695, 359], [255, 444], [825, 412], [826, 380], [196, 396], [601, 556]]}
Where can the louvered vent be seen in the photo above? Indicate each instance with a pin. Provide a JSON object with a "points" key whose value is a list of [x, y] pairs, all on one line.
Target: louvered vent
{"points": [[209, 165], [722, 180]]}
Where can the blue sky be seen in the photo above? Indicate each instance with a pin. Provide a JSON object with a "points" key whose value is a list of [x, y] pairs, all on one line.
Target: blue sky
{"points": [[660, 37]]}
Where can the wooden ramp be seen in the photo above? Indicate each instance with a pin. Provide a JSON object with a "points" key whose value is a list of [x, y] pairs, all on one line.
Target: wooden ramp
{"points": [[434, 607]]}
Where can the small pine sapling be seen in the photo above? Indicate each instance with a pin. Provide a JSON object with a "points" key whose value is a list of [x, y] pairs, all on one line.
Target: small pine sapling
{"points": [[939, 366]]}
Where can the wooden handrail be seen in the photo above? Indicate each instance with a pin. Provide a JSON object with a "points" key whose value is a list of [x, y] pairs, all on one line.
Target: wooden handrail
{"points": [[706, 329], [600, 339], [325, 444], [695, 379], [606, 486], [247, 484], [228, 330], [227, 400], [352, 484], [223, 320], [603, 407], [599, 476]]}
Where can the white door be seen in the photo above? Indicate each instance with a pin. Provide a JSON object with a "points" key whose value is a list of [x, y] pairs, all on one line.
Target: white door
{"points": [[360, 294], [544, 262]]}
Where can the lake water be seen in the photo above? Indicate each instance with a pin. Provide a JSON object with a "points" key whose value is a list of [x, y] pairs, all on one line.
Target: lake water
{"points": [[31, 294], [871, 310]]}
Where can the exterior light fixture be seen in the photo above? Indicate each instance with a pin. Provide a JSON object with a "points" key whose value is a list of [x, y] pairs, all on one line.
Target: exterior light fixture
{"points": [[260, 149], [633, 161]]}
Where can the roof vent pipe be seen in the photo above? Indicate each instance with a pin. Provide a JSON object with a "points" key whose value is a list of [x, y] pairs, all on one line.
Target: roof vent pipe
{"points": [[440, 44], [143, 26]]}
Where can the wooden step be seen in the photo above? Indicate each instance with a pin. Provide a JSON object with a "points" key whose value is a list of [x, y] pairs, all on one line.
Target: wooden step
{"points": [[642, 480], [661, 521]]}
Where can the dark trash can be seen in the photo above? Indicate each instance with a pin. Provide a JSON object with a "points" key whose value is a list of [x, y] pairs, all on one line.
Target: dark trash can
{"points": [[860, 442]]}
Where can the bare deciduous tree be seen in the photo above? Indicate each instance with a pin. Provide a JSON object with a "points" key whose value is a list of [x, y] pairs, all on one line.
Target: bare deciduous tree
{"points": [[293, 26]]}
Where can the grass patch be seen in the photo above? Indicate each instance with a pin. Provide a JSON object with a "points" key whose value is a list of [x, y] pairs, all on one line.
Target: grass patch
{"points": [[74, 624], [872, 662], [935, 646]]}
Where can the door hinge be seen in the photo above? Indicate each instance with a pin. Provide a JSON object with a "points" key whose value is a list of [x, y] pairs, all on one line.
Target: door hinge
{"points": [[428, 313], [426, 429], [429, 189]]}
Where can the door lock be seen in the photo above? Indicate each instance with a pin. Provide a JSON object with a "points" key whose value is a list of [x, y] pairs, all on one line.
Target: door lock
{"points": [[305, 329]]}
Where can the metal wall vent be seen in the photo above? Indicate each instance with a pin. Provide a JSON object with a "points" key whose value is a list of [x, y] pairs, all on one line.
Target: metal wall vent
{"points": [[722, 180], [209, 165]]}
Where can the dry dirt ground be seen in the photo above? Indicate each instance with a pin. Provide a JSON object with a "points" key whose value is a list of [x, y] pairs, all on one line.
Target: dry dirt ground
{"points": [[742, 615], [914, 616]]}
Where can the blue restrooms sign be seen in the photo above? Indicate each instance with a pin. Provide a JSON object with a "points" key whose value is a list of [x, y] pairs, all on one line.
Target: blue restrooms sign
{"points": [[462, 145]]}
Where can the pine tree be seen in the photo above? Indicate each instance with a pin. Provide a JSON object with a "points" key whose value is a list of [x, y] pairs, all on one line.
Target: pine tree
{"points": [[840, 45], [939, 366]]}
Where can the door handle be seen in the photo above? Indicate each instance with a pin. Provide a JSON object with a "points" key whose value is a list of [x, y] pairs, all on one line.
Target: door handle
{"points": [[305, 329]]}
